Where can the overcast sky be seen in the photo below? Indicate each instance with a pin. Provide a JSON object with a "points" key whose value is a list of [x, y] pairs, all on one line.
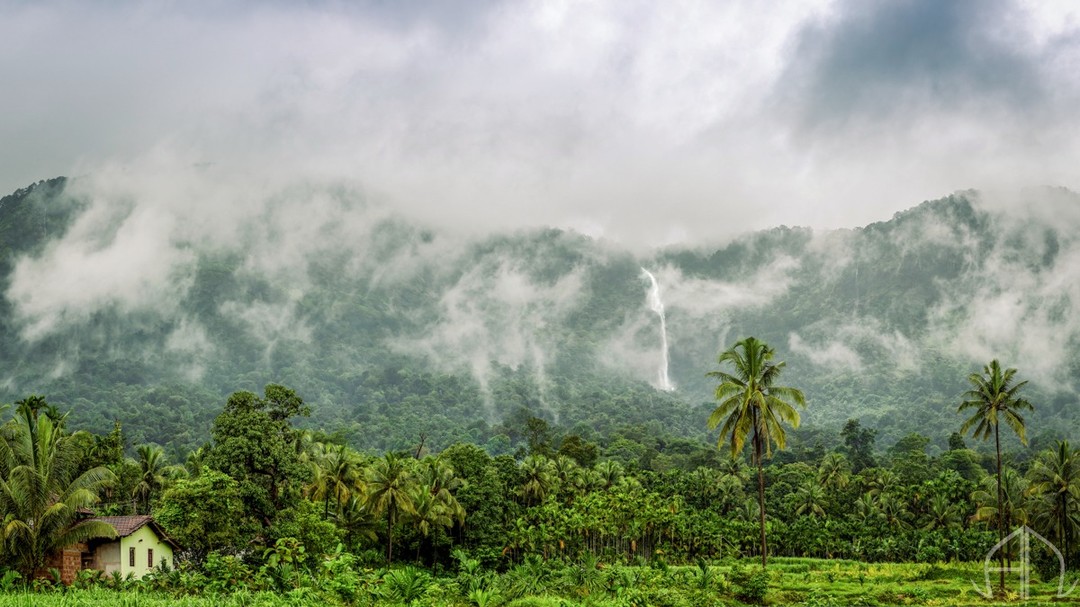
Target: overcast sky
{"points": [[653, 122]]}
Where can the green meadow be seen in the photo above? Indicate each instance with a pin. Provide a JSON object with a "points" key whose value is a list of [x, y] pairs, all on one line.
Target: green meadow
{"points": [[787, 581]]}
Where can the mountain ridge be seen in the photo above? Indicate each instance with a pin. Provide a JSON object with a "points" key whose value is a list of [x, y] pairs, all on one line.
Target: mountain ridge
{"points": [[411, 332]]}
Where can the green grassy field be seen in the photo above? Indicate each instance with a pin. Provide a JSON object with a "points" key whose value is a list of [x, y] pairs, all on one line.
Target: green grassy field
{"points": [[790, 581]]}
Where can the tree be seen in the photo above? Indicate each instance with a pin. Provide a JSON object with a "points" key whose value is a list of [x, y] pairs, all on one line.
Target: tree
{"points": [[539, 479], [956, 442], [336, 476], [203, 513], [40, 493], [834, 471], [255, 443], [941, 514], [808, 499], [995, 397], [1055, 482], [859, 445], [390, 485], [752, 406], [153, 473]]}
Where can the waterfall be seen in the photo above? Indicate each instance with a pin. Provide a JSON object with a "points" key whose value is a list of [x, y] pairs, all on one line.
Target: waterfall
{"points": [[657, 305]]}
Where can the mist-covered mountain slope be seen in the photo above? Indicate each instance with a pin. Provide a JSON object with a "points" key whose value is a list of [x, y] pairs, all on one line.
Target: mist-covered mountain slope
{"points": [[118, 307]]}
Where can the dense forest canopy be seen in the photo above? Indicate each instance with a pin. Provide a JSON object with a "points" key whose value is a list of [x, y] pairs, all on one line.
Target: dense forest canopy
{"points": [[396, 330]]}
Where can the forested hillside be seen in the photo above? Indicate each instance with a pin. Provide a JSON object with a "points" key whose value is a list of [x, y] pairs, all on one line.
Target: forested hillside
{"points": [[393, 330]]}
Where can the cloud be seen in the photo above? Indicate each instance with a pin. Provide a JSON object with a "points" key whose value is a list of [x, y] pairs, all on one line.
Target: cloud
{"points": [[284, 132], [897, 59], [497, 314], [831, 354], [646, 123], [851, 346], [1018, 304]]}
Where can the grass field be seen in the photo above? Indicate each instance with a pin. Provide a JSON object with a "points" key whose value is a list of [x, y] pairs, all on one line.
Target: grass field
{"points": [[790, 581]]}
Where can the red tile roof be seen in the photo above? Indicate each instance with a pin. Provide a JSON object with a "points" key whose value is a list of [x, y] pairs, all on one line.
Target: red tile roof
{"points": [[126, 525]]}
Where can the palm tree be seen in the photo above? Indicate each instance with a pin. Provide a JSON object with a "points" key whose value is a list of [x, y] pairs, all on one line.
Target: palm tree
{"points": [[880, 481], [570, 475], [893, 510], [390, 490], [734, 467], [357, 519], [834, 471], [941, 515], [428, 514], [1055, 481], [866, 509], [808, 499], [995, 397], [1014, 489], [440, 480], [540, 479], [752, 406], [336, 476], [153, 474], [610, 472], [40, 493]]}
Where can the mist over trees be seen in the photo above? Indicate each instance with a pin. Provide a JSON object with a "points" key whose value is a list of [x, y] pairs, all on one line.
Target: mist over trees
{"points": [[397, 329]]}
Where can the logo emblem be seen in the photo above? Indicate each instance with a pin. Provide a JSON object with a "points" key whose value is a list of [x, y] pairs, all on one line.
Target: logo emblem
{"points": [[1022, 565]]}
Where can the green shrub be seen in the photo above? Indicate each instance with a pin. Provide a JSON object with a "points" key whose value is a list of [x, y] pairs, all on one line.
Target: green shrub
{"points": [[338, 575], [225, 573], [751, 584], [405, 585]]}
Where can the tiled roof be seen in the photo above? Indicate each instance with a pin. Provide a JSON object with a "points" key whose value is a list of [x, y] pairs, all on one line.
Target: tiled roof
{"points": [[125, 525]]}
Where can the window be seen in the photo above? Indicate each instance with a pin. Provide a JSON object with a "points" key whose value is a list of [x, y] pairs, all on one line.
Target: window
{"points": [[131, 557], [150, 557]]}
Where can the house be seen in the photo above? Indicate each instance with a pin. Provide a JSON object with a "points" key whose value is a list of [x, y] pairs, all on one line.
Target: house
{"points": [[140, 546]]}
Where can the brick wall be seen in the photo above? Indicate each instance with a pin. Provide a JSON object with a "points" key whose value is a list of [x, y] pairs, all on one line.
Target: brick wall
{"points": [[68, 561]]}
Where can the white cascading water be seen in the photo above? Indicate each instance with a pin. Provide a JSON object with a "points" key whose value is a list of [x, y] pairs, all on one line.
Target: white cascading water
{"points": [[657, 305]]}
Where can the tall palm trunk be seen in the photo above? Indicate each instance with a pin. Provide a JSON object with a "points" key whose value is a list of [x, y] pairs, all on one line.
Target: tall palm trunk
{"points": [[389, 535], [1064, 522], [761, 489], [1001, 512]]}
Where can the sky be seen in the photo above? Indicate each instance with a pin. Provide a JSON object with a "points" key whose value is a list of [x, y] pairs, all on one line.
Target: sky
{"points": [[640, 122]]}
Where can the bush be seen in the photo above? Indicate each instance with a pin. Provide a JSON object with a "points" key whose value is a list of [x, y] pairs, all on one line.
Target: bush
{"points": [[405, 585], [225, 573], [750, 584], [339, 575]]}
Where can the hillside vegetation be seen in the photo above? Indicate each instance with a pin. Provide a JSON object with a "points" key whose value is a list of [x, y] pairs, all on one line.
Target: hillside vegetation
{"points": [[409, 332]]}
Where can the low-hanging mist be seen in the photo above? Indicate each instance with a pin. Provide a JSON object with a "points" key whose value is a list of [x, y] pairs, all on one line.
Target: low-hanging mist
{"points": [[116, 306]]}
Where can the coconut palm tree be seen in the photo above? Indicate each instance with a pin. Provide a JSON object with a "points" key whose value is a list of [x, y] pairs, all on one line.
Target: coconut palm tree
{"points": [[808, 499], [1014, 490], [941, 514], [752, 406], [610, 472], [428, 515], [834, 471], [439, 479], [893, 510], [880, 481], [336, 476], [995, 397], [540, 479], [153, 474], [41, 493], [866, 508], [390, 486], [1055, 482]]}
